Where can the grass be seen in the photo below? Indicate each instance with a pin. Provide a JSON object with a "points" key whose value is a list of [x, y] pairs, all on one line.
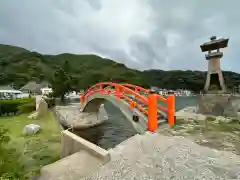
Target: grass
{"points": [[36, 150]]}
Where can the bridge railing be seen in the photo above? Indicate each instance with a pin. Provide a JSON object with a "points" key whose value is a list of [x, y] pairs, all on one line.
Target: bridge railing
{"points": [[120, 92], [146, 92], [140, 96], [170, 101]]}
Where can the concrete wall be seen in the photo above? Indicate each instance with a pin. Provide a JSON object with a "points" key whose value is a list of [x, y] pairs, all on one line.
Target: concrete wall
{"points": [[71, 144]]}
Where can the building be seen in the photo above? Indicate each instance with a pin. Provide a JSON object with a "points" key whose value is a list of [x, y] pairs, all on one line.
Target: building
{"points": [[7, 92], [34, 88], [46, 91]]}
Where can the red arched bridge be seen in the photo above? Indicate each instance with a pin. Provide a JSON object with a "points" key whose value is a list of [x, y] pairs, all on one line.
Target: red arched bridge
{"points": [[139, 105]]}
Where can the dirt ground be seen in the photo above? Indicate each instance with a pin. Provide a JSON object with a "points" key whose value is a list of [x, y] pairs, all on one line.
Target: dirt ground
{"points": [[211, 133]]}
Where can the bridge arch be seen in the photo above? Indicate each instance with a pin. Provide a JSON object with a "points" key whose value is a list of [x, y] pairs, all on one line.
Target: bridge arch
{"points": [[139, 105], [93, 103]]}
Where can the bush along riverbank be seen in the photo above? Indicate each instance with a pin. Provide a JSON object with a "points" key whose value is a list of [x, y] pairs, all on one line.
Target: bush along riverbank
{"points": [[19, 106], [16, 106], [23, 155]]}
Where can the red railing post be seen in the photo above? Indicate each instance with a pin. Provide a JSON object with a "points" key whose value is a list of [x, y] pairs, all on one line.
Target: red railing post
{"points": [[118, 91], [81, 99], [136, 89], [171, 108], [132, 104], [89, 91], [152, 111], [101, 88]]}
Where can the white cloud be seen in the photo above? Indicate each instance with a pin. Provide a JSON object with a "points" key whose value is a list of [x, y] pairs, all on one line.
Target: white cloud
{"points": [[141, 33]]}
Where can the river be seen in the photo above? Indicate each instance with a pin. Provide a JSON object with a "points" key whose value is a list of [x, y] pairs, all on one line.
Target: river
{"points": [[117, 128]]}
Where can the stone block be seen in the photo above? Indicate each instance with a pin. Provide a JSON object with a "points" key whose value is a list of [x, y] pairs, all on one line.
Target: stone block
{"points": [[41, 108], [218, 105], [31, 129]]}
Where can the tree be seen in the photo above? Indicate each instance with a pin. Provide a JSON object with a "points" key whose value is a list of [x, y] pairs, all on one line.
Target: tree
{"points": [[66, 67], [61, 83]]}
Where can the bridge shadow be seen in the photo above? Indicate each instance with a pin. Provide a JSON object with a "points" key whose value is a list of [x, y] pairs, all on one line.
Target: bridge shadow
{"points": [[111, 133]]}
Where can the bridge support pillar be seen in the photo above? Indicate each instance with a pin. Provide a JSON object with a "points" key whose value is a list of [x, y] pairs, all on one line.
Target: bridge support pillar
{"points": [[152, 112]]}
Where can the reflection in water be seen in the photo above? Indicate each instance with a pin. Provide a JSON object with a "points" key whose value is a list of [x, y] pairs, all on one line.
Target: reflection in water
{"points": [[114, 131]]}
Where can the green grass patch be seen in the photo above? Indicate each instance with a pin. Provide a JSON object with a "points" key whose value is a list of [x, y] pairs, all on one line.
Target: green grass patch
{"points": [[210, 118], [225, 127], [180, 122], [36, 150]]}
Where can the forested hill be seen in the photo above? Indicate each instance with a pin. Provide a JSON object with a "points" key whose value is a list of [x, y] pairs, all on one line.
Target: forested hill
{"points": [[19, 66], [193, 80]]}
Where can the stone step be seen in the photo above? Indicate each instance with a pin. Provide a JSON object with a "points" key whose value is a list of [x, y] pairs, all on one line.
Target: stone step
{"points": [[72, 167]]}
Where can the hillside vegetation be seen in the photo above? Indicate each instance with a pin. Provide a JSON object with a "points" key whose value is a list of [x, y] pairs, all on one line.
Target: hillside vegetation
{"points": [[19, 66]]}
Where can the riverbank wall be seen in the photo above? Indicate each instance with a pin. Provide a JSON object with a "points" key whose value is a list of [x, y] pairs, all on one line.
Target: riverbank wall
{"points": [[72, 143]]}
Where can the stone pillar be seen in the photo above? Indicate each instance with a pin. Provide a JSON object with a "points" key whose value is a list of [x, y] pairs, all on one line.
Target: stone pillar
{"points": [[214, 76]]}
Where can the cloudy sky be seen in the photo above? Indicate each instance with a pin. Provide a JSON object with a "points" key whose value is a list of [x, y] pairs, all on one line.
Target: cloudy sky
{"points": [[143, 34]]}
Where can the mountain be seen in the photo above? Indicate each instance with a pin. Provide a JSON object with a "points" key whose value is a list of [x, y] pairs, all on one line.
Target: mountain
{"points": [[18, 66], [193, 80], [7, 50]]}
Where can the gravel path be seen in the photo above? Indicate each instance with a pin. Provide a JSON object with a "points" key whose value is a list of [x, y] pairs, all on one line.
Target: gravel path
{"points": [[157, 157]]}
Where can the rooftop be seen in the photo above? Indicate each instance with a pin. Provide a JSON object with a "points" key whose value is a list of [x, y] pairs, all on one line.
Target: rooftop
{"points": [[214, 55], [10, 91], [214, 44], [6, 88], [33, 86]]}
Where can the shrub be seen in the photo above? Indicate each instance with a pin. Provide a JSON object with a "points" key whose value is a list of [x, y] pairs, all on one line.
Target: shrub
{"points": [[12, 106], [18, 106], [27, 107]]}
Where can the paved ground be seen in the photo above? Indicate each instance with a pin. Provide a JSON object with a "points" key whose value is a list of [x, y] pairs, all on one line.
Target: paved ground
{"points": [[153, 157]]}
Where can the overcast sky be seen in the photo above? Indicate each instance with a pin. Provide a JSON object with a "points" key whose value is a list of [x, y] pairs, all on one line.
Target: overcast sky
{"points": [[143, 34]]}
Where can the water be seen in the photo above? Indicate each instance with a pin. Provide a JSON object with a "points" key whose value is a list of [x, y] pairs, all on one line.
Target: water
{"points": [[118, 128], [115, 130], [182, 102]]}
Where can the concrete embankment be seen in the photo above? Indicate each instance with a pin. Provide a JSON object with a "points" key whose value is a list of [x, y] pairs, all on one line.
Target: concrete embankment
{"points": [[79, 157], [71, 117], [148, 156]]}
